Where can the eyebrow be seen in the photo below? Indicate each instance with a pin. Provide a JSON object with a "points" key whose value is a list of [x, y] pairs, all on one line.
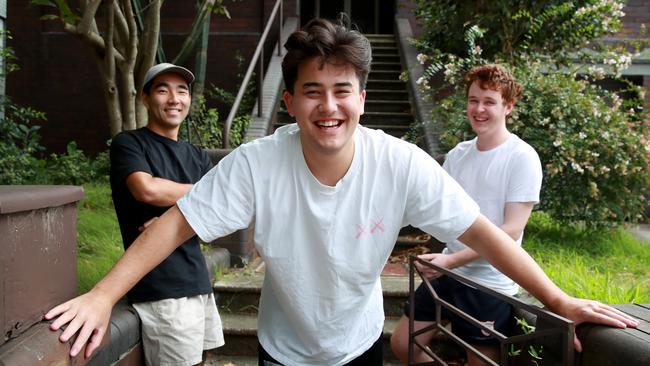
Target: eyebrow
{"points": [[311, 84], [164, 84]]}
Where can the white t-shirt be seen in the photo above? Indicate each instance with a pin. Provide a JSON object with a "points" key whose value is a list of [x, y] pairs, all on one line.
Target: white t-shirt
{"points": [[511, 172], [325, 247]]}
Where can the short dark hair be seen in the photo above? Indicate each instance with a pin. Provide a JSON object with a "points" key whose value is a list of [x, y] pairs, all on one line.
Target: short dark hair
{"points": [[331, 42], [494, 77]]}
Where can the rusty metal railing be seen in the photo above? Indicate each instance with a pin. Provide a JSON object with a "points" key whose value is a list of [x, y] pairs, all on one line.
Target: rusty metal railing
{"points": [[256, 60], [554, 325]]}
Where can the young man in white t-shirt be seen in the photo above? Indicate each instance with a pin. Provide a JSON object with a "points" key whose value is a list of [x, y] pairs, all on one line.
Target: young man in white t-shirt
{"points": [[328, 197], [503, 175]]}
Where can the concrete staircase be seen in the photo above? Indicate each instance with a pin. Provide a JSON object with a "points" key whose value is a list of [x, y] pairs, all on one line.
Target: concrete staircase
{"points": [[237, 295], [387, 103]]}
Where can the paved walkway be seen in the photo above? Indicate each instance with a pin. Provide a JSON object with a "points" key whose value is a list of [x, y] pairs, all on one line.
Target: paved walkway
{"points": [[641, 232]]}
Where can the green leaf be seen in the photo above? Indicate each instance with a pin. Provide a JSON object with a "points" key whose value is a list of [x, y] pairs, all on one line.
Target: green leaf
{"points": [[50, 17], [43, 3], [67, 14]]}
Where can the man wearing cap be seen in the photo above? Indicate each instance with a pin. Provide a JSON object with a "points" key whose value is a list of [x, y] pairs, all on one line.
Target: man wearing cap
{"points": [[150, 170]]}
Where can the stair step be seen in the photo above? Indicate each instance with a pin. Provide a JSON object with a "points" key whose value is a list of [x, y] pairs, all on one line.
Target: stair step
{"points": [[385, 57], [239, 294], [385, 49], [240, 333], [385, 74], [382, 94], [393, 118], [386, 84], [388, 106], [386, 65]]}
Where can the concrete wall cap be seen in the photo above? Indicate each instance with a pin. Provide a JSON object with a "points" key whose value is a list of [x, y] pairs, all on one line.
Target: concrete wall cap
{"points": [[26, 198]]}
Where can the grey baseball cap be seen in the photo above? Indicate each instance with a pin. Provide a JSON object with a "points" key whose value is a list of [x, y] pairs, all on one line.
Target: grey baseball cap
{"points": [[165, 67]]}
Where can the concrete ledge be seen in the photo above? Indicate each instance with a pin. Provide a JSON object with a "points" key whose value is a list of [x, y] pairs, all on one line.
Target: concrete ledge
{"points": [[606, 346], [41, 346]]}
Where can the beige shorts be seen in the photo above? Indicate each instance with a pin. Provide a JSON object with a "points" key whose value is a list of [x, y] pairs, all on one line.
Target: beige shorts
{"points": [[176, 331]]}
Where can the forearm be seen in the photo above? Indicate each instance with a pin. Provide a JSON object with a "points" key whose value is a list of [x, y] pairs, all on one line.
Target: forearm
{"points": [[462, 257], [155, 191], [503, 253], [146, 252]]}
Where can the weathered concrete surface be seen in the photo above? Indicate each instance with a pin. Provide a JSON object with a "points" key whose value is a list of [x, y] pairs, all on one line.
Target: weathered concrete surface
{"points": [[38, 267], [41, 346]]}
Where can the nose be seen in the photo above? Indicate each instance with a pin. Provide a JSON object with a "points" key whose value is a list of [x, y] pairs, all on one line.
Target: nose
{"points": [[328, 104], [173, 97]]}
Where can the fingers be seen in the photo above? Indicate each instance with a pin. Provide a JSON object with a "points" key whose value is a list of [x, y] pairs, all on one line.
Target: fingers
{"points": [[57, 310], [608, 315], [146, 224], [63, 319], [595, 312], [576, 343], [95, 341]]}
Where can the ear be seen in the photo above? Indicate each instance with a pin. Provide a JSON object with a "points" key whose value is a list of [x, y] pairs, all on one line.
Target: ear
{"points": [[144, 98], [509, 107], [288, 99], [362, 101]]}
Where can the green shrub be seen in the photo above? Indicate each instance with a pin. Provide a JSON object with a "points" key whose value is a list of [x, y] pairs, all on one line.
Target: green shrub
{"points": [[514, 27], [74, 167], [19, 144], [593, 144], [594, 154]]}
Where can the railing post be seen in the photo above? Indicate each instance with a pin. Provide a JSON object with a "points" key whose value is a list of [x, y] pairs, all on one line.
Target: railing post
{"points": [[280, 30], [260, 81]]}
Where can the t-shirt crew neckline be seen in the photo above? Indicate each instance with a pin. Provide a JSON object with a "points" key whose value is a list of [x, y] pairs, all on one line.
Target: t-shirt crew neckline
{"points": [[492, 150], [162, 138], [349, 175]]}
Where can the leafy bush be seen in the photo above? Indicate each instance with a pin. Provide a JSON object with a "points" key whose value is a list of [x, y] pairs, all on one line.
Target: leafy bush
{"points": [[593, 144], [205, 123], [19, 144], [549, 26], [593, 153], [74, 167]]}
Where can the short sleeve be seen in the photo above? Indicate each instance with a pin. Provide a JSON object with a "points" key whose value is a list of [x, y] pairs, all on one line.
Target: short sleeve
{"points": [[436, 202], [127, 156], [222, 201], [525, 180]]}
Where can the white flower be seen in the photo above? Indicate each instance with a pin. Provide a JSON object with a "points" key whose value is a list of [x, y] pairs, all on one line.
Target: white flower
{"points": [[422, 58], [582, 135], [477, 51], [557, 142], [577, 167]]}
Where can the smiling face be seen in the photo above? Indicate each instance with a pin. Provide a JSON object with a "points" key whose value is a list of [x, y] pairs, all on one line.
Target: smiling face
{"points": [[168, 103], [327, 104], [487, 112]]}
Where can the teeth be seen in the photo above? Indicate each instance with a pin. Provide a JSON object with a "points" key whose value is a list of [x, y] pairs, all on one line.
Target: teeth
{"points": [[328, 123]]}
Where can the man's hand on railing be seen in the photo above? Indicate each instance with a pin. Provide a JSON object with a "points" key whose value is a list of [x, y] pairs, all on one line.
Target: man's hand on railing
{"points": [[589, 311], [438, 259]]}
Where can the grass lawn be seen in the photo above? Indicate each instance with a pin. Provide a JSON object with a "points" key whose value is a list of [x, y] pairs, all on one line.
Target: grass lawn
{"points": [[609, 266], [99, 241]]}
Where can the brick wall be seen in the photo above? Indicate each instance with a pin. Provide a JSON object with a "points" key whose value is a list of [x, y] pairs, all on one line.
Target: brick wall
{"points": [[59, 75]]}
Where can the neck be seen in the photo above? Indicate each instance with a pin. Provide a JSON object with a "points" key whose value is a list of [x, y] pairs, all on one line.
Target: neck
{"points": [[329, 169], [489, 141], [170, 133]]}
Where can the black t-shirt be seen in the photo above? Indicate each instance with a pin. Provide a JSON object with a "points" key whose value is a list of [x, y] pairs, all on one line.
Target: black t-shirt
{"points": [[184, 272]]}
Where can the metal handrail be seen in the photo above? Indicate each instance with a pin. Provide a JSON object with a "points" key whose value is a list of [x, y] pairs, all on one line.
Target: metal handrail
{"points": [[557, 325], [258, 58]]}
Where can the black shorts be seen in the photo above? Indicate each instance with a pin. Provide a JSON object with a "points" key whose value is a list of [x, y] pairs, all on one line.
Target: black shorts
{"points": [[482, 306], [374, 356]]}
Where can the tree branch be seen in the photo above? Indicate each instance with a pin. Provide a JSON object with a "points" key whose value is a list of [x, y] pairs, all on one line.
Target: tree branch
{"points": [[195, 33]]}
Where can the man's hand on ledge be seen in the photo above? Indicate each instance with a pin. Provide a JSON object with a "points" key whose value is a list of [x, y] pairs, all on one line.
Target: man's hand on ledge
{"points": [[589, 311], [88, 314]]}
